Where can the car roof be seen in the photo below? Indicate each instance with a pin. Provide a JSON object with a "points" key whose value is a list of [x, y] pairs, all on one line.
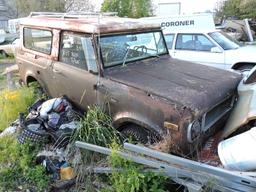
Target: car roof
{"points": [[191, 32], [87, 24]]}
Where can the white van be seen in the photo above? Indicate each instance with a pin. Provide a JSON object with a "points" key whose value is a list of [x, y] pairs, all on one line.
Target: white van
{"points": [[194, 38]]}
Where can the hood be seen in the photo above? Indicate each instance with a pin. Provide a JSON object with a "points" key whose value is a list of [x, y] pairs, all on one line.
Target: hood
{"points": [[195, 86], [242, 54]]}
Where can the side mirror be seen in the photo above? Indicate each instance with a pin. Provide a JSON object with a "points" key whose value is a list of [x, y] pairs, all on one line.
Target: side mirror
{"points": [[216, 50]]}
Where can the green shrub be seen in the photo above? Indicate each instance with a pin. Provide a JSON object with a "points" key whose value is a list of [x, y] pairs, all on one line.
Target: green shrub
{"points": [[131, 177], [18, 166]]}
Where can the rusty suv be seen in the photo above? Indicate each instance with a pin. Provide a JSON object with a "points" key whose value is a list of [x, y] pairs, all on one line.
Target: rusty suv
{"points": [[126, 65]]}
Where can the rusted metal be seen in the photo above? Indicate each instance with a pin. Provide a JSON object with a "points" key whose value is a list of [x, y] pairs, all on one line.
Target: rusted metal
{"points": [[181, 170], [147, 92], [90, 24]]}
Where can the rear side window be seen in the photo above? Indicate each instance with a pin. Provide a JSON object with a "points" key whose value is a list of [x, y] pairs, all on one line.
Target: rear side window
{"points": [[77, 50], [194, 42], [169, 40], [38, 40]]}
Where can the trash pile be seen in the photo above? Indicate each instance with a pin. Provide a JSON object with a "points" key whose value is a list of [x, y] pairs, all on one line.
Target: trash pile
{"points": [[52, 120], [50, 123]]}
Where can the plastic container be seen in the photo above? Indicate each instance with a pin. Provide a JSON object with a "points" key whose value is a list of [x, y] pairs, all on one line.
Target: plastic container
{"points": [[238, 152]]}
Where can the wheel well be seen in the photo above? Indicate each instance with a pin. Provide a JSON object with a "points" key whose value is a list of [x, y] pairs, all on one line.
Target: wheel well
{"points": [[238, 65], [148, 129], [151, 134], [30, 79], [125, 124]]}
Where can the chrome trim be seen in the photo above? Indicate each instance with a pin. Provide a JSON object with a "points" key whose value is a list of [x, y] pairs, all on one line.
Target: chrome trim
{"points": [[219, 117], [189, 131]]}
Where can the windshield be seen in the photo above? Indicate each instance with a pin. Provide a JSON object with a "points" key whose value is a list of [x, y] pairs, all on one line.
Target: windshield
{"points": [[122, 49], [224, 40]]}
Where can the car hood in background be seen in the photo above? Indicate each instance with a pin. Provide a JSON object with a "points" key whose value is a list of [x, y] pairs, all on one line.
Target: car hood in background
{"points": [[241, 54], [195, 86]]}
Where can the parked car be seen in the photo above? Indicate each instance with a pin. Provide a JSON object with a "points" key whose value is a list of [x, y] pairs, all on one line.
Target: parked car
{"points": [[125, 65], [8, 48], [194, 38]]}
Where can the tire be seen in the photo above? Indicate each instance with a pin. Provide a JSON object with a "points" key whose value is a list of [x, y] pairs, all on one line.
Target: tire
{"points": [[245, 69], [139, 134]]}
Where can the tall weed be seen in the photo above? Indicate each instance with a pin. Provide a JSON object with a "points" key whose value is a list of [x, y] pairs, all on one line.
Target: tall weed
{"points": [[18, 167], [95, 128], [129, 176], [14, 102]]}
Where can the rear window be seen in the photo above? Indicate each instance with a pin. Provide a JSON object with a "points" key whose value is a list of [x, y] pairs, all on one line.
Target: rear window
{"points": [[38, 40]]}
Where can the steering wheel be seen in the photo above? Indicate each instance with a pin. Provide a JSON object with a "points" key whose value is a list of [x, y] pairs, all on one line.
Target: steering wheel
{"points": [[143, 48]]}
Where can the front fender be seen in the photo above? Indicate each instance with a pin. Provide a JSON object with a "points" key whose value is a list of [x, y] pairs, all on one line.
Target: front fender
{"points": [[123, 118], [244, 110]]}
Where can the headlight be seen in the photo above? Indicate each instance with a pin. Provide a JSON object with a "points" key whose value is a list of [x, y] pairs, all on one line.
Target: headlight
{"points": [[194, 130]]}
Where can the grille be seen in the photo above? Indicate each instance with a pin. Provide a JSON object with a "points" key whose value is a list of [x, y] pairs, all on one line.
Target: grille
{"points": [[216, 113]]}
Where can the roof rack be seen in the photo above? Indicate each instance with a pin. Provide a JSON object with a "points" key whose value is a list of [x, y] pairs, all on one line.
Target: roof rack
{"points": [[78, 14]]}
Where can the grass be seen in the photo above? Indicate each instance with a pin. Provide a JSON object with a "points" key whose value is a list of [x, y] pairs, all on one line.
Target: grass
{"points": [[17, 162], [95, 128], [14, 102], [3, 81], [18, 168], [133, 178], [6, 60]]}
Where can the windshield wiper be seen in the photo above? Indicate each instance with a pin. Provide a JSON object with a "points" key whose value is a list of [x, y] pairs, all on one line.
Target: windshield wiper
{"points": [[125, 56], [154, 55]]}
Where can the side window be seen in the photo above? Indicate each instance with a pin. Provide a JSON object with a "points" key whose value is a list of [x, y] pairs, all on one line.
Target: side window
{"points": [[77, 50], [169, 40], [205, 43], [184, 42], [38, 40], [195, 42]]}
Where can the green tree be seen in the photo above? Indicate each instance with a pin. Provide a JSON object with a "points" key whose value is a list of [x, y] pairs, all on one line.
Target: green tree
{"points": [[239, 8], [248, 8], [128, 8]]}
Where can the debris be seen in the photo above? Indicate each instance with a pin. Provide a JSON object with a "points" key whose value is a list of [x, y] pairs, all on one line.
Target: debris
{"points": [[209, 154], [53, 120], [8, 131], [238, 152], [32, 130], [48, 106], [67, 173]]}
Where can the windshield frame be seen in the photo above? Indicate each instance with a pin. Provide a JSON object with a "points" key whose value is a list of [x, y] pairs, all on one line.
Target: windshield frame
{"points": [[228, 41], [98, 37]]}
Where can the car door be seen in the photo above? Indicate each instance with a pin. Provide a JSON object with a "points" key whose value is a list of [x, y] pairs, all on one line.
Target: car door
{"points": [[198, 48], [75, 71], [35, 57]]}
